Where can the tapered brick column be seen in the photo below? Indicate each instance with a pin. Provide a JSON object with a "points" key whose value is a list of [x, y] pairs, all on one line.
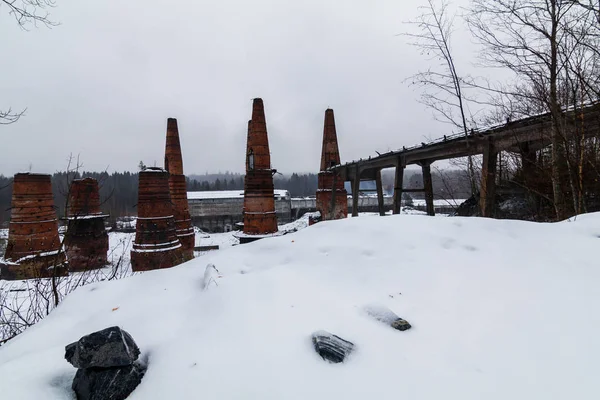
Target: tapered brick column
{"points": [[86, 243], [178, 190], [330, 156], [33, 249], [259, 200], [156, 244]]}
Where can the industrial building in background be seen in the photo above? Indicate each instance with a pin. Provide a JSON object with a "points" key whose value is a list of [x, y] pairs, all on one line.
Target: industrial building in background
{"points": [[177, 189], [332, 198], [34, 248], [259, 202], [86, 242], [156, 244], [222, 211]]}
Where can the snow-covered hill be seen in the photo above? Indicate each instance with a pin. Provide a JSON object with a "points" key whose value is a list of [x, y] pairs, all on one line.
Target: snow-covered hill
{"points": [[499, 309]]}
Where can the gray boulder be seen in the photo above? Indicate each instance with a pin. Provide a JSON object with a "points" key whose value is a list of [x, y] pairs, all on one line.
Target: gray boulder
{"points": [[110, 347], [387, 316], [107, 383]]}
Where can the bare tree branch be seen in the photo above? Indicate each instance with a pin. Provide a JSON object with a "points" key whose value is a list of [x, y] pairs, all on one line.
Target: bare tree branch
{"points": [[30, 12]]}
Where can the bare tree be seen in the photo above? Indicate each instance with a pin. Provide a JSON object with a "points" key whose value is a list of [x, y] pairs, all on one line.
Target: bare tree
{"points": [[30, 12], [26, 13], [9, 116], [528, 37], [443, 88]]}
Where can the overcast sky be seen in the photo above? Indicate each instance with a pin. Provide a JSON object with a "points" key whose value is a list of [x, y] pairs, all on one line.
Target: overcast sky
{"points": [[104, 82]]}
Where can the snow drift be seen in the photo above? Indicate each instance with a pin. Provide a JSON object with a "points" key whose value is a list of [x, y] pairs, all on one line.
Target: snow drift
{"points": [[499, 310]]}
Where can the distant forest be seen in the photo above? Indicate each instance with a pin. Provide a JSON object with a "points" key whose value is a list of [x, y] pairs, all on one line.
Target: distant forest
{"points": [[118, 191]]}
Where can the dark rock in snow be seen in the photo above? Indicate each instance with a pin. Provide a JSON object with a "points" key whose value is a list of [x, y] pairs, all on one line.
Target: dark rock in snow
{"points": [[388, 317], [110, 347], [331, 347], [107, 383], [401, 325]]}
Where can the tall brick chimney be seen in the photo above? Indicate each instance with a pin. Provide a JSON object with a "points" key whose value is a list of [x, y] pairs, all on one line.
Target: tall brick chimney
{"points": [[173, 158], [34, 248], [178, 190], [156, 244], [86, 242], [259, 200], [330, 156]]}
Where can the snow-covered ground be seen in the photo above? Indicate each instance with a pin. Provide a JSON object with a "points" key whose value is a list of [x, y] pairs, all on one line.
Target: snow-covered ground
{"points": [[500, 310]]}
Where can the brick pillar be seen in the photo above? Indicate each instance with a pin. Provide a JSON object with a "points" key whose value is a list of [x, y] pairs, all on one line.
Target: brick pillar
{"points": [[259, 198], [178, 190], [86, 242], [156, 244], [33, 242], [332, 198]]}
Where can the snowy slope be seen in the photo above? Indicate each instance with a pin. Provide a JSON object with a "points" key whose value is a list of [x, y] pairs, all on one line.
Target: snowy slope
{"points": [[500, 310]]}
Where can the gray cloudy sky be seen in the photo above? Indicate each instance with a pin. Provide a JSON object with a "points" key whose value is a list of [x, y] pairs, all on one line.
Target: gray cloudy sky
{"points": [[103, 83]]}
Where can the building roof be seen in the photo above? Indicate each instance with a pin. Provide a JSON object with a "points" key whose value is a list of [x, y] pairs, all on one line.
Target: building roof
{"points": [[228, 194]]}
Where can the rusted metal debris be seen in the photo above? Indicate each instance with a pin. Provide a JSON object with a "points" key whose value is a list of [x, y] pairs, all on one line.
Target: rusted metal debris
{"points": [[33, 249], [332, 202], [259, 201], [86, 242], [177, 188], [156, 244]]}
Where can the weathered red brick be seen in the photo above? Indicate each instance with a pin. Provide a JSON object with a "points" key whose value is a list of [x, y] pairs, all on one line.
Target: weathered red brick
{"points": [[156, 244], [86, 242], [330, 156], [259, 199], [33, 240], [178, 190]]}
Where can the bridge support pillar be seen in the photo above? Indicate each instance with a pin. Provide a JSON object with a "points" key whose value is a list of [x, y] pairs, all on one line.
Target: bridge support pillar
{"points": [[529, 163], [428, 185], [488, 180], [379, 186], [355, 190], [398, 185]]}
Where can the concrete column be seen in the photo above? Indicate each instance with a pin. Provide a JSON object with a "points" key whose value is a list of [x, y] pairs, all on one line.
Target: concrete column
{"points": [[355, 190], [428, 184], [398, 185], [379, 185], [488, 180]]}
